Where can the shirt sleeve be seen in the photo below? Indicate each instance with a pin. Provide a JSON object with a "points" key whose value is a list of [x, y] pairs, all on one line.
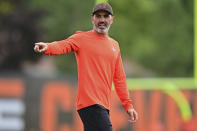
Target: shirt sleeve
{"points": [[120, 84], [62, 47]]}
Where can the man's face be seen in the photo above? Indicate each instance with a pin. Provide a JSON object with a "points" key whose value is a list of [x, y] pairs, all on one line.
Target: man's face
{"points": [[101, 21]]}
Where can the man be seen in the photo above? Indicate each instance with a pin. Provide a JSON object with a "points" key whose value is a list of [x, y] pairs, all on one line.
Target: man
{"points": [[99, 64]]}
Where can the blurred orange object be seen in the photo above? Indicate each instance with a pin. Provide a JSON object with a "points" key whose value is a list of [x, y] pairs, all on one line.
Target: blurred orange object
{"points": [[188, 126]]}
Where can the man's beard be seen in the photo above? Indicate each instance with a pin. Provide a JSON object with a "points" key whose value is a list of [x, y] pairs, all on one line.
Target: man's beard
{"points": [[102, 30]]}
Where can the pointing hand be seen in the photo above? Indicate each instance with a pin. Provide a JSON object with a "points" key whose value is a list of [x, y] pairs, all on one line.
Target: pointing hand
{"points": [[40, 47]]}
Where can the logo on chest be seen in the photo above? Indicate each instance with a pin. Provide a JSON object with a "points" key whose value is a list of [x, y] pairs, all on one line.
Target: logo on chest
{"points": [[114, 49]]}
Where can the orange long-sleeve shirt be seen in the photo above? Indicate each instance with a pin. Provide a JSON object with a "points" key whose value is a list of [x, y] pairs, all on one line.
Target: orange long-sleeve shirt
{"points": [[99, 64]]}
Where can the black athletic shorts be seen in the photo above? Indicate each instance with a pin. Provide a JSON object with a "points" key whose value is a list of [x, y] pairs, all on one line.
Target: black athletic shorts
{"points": [[95, 118]]}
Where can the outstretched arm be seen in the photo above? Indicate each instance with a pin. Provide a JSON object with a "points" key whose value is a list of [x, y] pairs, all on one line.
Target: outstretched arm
{"points": [[57, 47]]}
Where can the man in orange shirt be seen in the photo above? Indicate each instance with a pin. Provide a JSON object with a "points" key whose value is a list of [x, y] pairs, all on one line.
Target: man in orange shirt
{"points": [[99, 64]]}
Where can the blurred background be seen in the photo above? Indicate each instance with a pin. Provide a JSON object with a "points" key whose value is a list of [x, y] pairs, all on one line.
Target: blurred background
{"points": [[156, 37]]}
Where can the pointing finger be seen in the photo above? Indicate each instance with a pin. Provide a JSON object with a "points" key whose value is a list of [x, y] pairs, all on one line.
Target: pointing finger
{"points": [[36, 48]]}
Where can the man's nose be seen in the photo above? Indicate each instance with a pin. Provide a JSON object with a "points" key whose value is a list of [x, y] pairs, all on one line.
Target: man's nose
{"points": [[102, 18]]}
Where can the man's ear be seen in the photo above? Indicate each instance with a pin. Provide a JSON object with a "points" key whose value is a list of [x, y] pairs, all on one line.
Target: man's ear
{"points": [[112, 19]]}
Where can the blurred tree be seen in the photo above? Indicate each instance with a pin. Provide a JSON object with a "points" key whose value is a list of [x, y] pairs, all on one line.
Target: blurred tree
{"points": [[64, 18], [156, 34], [18, 30]]}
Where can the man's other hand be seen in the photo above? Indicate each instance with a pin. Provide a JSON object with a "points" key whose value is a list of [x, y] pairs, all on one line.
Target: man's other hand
{"points": [[133, 115]]}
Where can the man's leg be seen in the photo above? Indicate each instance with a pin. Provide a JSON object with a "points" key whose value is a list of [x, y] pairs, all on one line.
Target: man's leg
{"points": [[95, 118]]}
